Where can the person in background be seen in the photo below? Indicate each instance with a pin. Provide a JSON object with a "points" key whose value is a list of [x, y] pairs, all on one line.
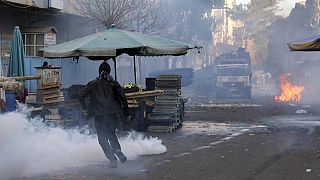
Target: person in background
{"points": [[21, 96], [2, 105], [46, 64], [106, 104]]}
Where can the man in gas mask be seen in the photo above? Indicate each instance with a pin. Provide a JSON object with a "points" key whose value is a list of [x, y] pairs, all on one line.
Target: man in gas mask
{"points": [[107, 104]]}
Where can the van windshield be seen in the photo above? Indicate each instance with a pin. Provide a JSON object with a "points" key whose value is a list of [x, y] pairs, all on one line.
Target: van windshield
{"points": [[232, 71]]}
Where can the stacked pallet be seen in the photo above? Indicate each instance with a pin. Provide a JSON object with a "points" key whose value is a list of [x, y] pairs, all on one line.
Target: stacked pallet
{"points": [[168, 111], [187, 74]]}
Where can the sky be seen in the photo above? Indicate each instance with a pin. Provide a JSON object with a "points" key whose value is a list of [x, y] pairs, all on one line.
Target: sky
{"points": [[287, 5]]}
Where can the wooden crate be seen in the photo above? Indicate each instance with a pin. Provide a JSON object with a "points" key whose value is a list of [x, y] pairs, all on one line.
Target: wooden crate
{"points": [[50, 77], [50, 98], [49, 85]]}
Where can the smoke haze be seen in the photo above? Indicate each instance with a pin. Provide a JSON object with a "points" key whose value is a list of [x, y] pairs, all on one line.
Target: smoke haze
{"points": [[29, 148]]}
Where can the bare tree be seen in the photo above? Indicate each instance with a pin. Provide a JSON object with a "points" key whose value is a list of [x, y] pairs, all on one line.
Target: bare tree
{"points": [[107, 11], [139, 15], [259, 15], [149, 16]]}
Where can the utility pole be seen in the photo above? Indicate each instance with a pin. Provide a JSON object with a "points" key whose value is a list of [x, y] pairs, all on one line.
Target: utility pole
{"points": [[2, 92]]}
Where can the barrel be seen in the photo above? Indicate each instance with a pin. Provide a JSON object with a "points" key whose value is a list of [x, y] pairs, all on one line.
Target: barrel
{"points": [[10, 101]]}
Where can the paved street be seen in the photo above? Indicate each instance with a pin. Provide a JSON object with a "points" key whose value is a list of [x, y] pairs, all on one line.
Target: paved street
{"points": [[227, 141]]}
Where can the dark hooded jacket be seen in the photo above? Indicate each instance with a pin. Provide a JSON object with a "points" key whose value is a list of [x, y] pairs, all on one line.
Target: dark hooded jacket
{"points": [[106, 97]]}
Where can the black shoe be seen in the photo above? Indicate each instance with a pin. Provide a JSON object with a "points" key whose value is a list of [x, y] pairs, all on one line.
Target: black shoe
{"points": [[113, 164], [121, 156]]}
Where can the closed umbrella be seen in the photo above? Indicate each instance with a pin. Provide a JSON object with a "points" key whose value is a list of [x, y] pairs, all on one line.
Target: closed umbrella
{"points": [[16, 62]]}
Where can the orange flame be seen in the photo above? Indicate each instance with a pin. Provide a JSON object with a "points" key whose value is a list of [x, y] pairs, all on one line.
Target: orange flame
{"points": [[289, 92]]}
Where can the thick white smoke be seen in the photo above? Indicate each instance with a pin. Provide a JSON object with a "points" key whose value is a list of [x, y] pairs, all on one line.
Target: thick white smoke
{"points": [[29, 148]]}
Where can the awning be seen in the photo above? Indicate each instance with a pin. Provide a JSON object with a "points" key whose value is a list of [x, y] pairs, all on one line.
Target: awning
{"points": [[309, 44]]}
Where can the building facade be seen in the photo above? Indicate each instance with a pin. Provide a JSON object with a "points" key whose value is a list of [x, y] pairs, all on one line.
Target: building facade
{"points": [[44, 23], [228, 33], [313, 9]]}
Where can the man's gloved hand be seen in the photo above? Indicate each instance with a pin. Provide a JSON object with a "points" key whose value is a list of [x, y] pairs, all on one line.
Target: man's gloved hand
{"points": [[85, 111]]}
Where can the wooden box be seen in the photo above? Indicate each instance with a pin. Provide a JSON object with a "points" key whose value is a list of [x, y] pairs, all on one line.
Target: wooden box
{"points": [[50, 77]]}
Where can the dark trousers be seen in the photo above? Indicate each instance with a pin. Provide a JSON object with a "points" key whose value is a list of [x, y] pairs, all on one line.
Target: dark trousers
{"points": [[105, 127]]}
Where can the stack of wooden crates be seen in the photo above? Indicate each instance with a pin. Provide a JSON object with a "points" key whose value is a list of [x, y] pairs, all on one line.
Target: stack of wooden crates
{"points": [[49, 85], [48, 90], [168, 112]]}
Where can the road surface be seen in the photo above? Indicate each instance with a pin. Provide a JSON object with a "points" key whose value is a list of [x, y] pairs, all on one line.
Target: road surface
{"points": [[226, 140]]}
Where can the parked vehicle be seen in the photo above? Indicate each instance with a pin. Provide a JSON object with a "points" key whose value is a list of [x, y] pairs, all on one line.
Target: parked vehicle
{"points": [[233, 77]]}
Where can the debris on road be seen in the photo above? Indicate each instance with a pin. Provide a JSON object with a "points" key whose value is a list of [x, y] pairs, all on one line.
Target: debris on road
{"points": [[182, 154], [301, 111], [308, 170], [144, 171]]}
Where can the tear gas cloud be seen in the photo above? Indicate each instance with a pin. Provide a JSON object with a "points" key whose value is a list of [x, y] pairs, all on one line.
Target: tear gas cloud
{"points": [[30, 148]]}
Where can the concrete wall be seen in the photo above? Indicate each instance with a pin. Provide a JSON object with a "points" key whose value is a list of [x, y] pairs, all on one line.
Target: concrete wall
{"points": [[72, 72], [68, 26]]}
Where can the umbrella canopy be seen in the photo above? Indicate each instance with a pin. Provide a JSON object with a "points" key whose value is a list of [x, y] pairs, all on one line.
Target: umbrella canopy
{"points": [[309, 44], [114, 42], [16, 62]]}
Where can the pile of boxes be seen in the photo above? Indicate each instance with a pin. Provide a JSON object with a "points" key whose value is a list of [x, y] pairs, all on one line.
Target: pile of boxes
{"points": [[49, 92]]}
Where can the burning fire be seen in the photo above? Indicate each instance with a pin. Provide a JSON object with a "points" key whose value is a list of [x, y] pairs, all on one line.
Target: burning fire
{"points": [[289, 92]]}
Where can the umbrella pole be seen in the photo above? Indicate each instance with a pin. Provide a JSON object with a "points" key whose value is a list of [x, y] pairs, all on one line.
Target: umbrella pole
{"points": [[115, 67], [135, 69]]}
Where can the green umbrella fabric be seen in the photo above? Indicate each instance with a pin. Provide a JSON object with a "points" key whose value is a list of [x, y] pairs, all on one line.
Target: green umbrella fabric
{"points": [[114, 42], [16, 61], [309, 44]]}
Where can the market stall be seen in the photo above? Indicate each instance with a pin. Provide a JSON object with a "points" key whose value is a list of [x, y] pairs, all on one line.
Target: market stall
{"points": [[111, 43]]}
